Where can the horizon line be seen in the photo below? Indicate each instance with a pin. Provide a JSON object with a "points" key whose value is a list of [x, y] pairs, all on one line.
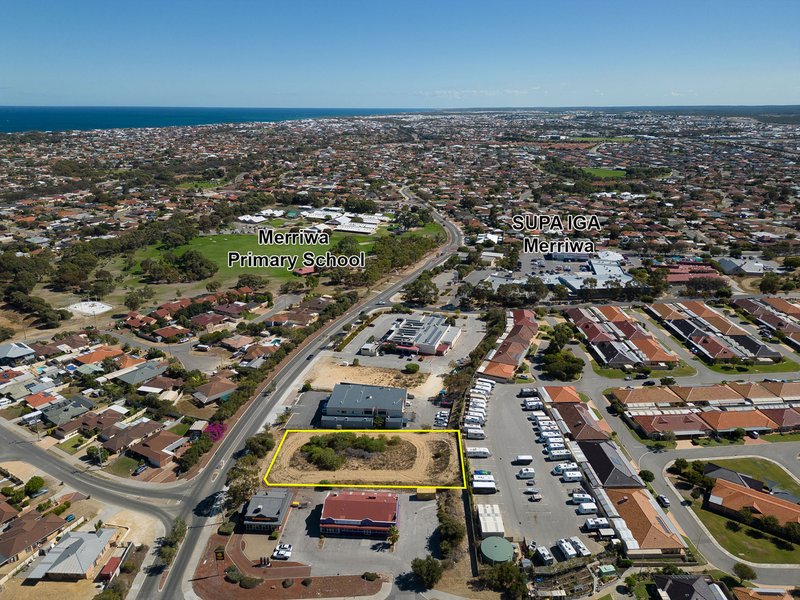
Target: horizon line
{"points": [[414, 108]]}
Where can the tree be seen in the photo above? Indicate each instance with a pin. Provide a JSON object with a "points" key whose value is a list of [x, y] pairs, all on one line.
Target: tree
{"points": [[34, 484], [561, 335], [738, 433], [393, 536], [744, 572], [506, 578], [681, 464], [428, 570], [213, 286], [647, 476], [422, 292], [98, 455]]}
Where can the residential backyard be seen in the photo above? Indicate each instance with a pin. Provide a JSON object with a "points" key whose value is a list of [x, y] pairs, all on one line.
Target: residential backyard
{"points": [[763, 470]]}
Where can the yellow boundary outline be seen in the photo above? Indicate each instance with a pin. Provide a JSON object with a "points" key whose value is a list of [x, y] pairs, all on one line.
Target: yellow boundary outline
{"points": [[387, 432]]}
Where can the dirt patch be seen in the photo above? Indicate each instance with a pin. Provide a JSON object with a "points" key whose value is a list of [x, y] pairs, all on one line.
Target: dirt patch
{"points": [[143, 529], [48, 590], [421, 459], [20, 469], [328, 373]]}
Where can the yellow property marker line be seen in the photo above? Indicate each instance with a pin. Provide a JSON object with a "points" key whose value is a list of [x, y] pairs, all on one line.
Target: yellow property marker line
{"points": [[373, 486]]}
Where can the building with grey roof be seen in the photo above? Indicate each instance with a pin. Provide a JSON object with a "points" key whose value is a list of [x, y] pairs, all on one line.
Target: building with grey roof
{"points": [[608, 467], [144, 372], [77, 556], [430, 335], [266, 510], [356, 406], [63, 411], [15, 353]]}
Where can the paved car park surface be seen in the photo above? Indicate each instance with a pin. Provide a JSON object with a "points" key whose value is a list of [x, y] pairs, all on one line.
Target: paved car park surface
{"points": [[509, 434], [417, 521]]}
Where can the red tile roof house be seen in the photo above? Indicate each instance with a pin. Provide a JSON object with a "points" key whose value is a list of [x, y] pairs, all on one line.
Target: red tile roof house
{"points": [[726, 421], [581, 421], [787, 419], [159, 449], [217, 388], [712, 348], [359, 514], [171, 331], [209, 321], [729, 498], [687, 425]]}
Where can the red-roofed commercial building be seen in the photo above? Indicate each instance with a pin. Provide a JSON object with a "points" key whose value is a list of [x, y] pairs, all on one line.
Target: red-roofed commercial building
{"points": [[359, 514]]}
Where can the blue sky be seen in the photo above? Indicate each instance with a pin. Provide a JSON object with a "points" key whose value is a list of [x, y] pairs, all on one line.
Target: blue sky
{"points": [[382, 53]]}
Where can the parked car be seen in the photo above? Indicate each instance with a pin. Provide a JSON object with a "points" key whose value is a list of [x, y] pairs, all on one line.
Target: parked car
{"points": [[663, 500]]}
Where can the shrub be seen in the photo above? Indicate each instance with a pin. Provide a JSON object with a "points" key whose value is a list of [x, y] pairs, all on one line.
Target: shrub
{"points": [[369, 576], [226, 528], [624, 563], [307, 581], [274, 535], [647, 476], [411, 368], [249, 583], [287, 583], [128, 566], [233, 574]]}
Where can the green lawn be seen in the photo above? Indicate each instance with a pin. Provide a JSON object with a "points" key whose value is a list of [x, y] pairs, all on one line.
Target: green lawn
{"points": [[70, 446], [605, 173], [745, 543], [786, 437], [179, 429], [781, 367], [642, 589], [762, 469], [203, 185], [122, 466], [216, 248]]}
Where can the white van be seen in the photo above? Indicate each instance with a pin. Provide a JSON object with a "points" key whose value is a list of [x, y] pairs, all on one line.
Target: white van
{"points": [[475, 433], [556, 446], [522, 459], [474, 419], [481, 410], [552, 441], [526, 473], [580, 498], [570, 476], [566, 549], [546, 435], [587, 508], [483, 478], [477, 395], [478, 402], [478, 453], [533, 405], [568, 466], [488, 382], [559, 455], [545, 555], [579, 546]]}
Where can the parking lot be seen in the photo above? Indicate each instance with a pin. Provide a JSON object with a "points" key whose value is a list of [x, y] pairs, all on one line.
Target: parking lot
{"points": [[416, 523], [509, 434]]}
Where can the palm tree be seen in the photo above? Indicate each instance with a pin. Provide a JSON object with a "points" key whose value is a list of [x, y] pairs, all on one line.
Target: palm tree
{"points": [[393, 536]]}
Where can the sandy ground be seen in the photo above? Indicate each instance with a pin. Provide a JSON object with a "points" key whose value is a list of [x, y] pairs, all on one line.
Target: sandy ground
{"points": [[256, 545], [20, 469], [143, 528], [423, 471], [328, 373], [48, 590]]}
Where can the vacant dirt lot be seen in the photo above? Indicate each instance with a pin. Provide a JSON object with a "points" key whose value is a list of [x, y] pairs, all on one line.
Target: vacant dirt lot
{"points": [[327, 374], [421, 459]]}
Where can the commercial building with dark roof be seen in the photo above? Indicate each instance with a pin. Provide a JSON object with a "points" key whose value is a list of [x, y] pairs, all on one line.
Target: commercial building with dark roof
{"points": [[356, 406], [266, 510]]}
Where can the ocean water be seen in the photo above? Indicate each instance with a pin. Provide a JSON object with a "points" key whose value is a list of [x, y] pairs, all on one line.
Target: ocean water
{"points": [[65, 118]]}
